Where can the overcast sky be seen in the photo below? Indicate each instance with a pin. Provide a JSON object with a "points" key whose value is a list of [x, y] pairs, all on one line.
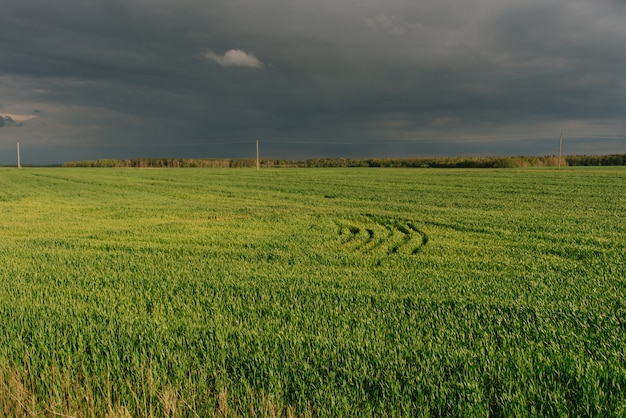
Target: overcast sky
{"points": [[88, 79]]}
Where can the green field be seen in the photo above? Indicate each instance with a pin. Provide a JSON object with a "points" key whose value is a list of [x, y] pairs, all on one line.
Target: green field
{"points": [[316, 292]]}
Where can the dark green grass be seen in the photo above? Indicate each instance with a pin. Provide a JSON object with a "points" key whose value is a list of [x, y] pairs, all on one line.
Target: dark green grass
{"points": [[317, 292]]}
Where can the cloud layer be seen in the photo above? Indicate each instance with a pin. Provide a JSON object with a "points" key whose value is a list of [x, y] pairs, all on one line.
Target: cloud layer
{"points": [[124, 79], [7, 119]]}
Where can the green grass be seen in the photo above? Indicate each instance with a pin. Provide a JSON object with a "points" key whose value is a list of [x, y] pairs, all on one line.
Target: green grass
{"points": [[339, 292]]}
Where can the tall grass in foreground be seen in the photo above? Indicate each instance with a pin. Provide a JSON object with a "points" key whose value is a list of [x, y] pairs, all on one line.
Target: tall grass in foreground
{"points": [[312, 292]]}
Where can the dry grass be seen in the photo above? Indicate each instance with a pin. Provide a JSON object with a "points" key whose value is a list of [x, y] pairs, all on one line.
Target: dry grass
{"points": [[18, 399]]}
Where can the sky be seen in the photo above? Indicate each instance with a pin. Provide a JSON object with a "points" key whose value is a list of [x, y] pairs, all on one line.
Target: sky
{"points": [[90, 79]]}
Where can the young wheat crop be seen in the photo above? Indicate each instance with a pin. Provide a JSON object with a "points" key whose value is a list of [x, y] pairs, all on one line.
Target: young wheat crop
{"points": [[312, 292]]}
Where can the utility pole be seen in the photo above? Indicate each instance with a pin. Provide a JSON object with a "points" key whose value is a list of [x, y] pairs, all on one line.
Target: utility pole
{"points": [[258, 164], [560, 148], [19, 164]]}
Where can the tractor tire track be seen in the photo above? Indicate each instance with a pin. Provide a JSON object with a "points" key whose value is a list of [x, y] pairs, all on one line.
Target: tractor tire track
{"points": [[380, 234]]}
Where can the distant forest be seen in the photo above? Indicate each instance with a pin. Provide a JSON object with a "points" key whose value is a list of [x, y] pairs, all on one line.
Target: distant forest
{"points": [[438, 162]]}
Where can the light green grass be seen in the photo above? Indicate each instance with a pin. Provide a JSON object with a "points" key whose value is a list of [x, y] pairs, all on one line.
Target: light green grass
{"points": [[339, 292]]}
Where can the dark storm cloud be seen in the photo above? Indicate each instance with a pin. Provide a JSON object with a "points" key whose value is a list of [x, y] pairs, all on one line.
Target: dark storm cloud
{"points": [[199, 78]]}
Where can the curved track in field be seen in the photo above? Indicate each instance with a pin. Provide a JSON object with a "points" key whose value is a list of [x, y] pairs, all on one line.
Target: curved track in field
{"points": [[381, 234]]}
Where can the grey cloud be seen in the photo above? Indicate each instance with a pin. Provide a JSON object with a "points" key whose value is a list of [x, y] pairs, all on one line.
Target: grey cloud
{"points": [[120, 73], [8, 121], [393, 24]]}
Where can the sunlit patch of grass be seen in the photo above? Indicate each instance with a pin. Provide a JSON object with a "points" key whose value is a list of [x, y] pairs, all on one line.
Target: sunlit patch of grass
{"points": [[242, 293]]}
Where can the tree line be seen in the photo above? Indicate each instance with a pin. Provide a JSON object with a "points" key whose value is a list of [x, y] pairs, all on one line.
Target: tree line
{"points": [[416, 162], [183, 163]]}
